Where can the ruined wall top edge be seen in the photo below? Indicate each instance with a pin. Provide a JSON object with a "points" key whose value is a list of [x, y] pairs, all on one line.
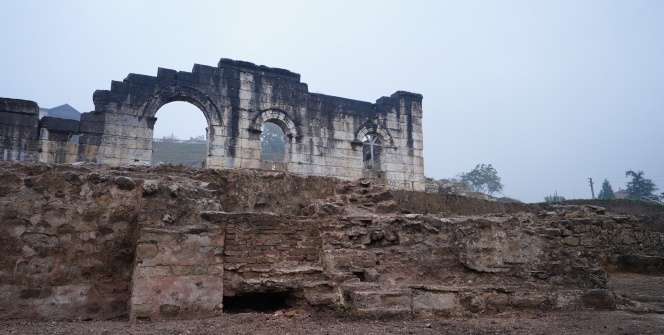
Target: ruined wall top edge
{"points": [[19, 106], [251, 67], [59, 124]]}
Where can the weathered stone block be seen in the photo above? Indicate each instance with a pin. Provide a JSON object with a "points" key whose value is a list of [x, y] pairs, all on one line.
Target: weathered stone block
{"points": [[433, 301], [571, 241], [322, 299]]}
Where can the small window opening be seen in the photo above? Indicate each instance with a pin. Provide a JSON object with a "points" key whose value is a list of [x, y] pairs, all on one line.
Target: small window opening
{"points": [[372, 149], [258, 302], [273, 144]]}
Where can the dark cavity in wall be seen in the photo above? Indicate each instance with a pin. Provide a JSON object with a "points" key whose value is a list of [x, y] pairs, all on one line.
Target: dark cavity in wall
{"points": [[360, 275], [258, 302]]}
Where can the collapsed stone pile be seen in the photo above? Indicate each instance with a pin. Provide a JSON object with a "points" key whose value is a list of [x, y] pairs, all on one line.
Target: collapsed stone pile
{"points": [[175, 243]]}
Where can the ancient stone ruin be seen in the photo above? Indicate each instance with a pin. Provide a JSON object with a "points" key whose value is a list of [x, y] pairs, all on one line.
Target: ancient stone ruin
{"points": [[324, 135], [95, 242], [339, 223]]}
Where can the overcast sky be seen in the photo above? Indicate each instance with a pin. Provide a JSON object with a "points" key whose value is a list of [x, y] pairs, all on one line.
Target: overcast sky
{"points": [[548, 92]]}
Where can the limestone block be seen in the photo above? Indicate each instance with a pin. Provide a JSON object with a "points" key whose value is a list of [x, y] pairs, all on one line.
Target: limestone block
{"points": [[217, 150], [433, 301], [381, 301], [178, 297], [322, 299], [218, 131], [152, 271]]}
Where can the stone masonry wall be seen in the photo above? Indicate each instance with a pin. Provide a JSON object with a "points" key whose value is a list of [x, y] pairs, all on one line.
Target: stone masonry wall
{"points": [[178, 273], [18, 130], [67, 243], [172, 243], [24, 137], [270, 253], [324, 134], [616, 242], [56, 140]]}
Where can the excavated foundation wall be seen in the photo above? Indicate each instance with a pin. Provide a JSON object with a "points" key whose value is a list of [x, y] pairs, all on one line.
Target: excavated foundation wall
{"points": [[67, 241], [172, 243]]}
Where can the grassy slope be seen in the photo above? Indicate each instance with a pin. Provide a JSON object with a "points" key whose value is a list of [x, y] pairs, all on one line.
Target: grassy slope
{"points": [[179, 153]]}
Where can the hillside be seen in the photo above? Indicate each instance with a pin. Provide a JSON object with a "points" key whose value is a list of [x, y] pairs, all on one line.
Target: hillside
{"points": [[189, 154]]}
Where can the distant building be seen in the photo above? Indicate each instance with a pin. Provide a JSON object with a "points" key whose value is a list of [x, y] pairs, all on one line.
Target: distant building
{"points": [[63, 111], [620, 194], [198, 139]]}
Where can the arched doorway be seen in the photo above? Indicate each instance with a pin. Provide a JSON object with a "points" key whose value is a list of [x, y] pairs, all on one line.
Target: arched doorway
{"points": [[272, 146], [180, 135]]}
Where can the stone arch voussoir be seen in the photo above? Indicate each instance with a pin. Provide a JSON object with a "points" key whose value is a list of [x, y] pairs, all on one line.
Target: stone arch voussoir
{"points": [[187, 94], [376, 129], [279, 118]]}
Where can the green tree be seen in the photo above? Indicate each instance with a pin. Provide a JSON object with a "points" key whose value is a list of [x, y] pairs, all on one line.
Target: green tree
{"points": [[606, 192], [483, 179], [639, 186]]}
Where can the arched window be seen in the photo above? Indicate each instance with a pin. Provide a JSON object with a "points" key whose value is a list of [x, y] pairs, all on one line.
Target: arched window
{"points": [[273, 144], [372, 148]]}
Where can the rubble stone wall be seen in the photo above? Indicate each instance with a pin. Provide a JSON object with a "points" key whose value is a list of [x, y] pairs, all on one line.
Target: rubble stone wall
{"points": [[67, 243], [616, 242], [652, 214], [172, 243]]}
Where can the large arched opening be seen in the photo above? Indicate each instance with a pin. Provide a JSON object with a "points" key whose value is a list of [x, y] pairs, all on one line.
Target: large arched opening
{"points": [[180, 135]]}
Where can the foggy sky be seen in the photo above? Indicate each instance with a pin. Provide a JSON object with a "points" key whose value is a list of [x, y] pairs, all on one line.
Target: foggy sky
{"points": [[548, 92]]}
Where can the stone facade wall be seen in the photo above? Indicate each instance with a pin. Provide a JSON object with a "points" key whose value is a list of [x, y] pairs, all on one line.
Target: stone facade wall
{"points": [[56, 140], [18, 130], [323, 133]]}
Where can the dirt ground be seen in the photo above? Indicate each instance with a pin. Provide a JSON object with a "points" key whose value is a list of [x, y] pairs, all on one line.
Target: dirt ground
{"points": [[585, 322], [640, 311]]}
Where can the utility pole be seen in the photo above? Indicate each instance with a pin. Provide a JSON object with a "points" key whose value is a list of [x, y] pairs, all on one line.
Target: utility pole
{"points": [[591, 187]]}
